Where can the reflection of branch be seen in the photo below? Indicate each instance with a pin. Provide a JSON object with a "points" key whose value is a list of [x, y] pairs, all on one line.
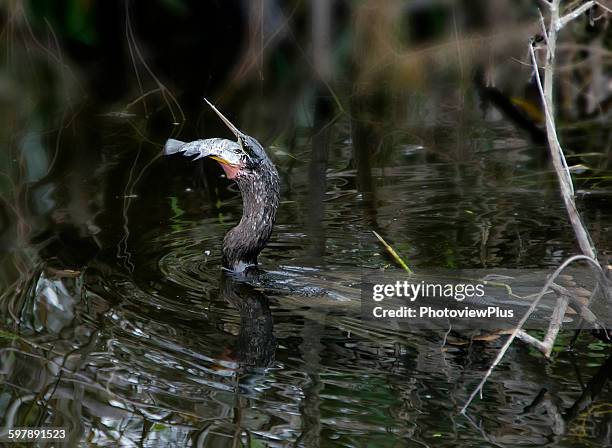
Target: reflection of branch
{"points": [[553, 404], [94, 384], [591, 391], [518, 329], [11, 412], [134, 50], [141, 98], [481, 431]]}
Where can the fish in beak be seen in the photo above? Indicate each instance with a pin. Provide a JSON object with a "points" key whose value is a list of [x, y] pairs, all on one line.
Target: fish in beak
{"points": [[233, 156]]}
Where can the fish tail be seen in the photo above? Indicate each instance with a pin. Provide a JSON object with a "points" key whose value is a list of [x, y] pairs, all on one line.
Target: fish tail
{"points": [[173, 146]]}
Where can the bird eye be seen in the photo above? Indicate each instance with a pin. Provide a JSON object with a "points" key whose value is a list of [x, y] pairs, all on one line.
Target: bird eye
{"points": [[244, 146], [249, 150]]}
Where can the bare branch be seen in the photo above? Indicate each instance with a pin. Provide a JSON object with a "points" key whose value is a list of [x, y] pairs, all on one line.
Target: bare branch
{"points": [[574, 14], [558, 158], [528, 339], [555, 324], [551, 122]]}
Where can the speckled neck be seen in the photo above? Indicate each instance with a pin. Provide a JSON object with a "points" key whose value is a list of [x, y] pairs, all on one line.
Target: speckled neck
{"points": [[260, 197]]}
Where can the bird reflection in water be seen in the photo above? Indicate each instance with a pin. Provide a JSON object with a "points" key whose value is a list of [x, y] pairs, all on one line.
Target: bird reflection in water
{"points": [[256, 342]]}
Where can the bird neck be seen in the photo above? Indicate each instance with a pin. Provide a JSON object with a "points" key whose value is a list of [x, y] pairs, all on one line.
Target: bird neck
{"points": [[260, 198]]}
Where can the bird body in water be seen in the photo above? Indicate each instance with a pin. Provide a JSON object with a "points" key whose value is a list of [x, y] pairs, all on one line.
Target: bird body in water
{"points": [[245, 162]]}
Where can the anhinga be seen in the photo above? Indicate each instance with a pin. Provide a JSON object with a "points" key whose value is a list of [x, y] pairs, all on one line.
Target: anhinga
{"points": [[244, 161]]}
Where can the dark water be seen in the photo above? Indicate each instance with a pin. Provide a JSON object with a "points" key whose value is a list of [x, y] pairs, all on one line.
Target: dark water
{"points": [[126, 330], [118, 324]]}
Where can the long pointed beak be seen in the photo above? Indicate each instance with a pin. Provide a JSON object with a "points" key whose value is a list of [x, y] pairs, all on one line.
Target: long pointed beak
{"points": [[228, 123]]}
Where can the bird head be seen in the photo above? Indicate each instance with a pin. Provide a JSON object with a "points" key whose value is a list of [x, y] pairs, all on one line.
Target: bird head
{"points": [[240, 158]]}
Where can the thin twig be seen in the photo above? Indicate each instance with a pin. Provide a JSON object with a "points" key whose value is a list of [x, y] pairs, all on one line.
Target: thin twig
{"points": [[574, 14]]}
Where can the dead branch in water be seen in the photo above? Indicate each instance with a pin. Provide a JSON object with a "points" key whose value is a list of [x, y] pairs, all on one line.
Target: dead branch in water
{"points": [[556, 23]]}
